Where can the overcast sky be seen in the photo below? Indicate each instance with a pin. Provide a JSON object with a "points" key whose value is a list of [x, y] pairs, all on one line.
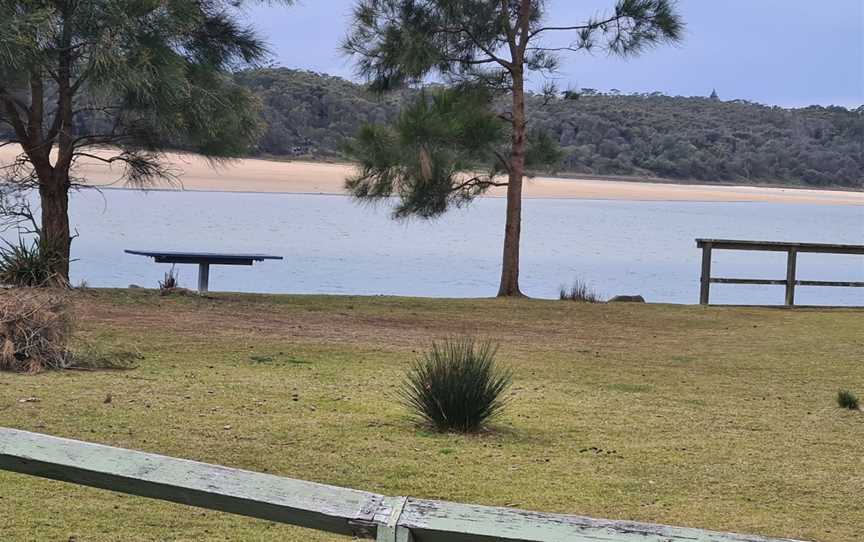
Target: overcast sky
{"points": [[783, 52]]}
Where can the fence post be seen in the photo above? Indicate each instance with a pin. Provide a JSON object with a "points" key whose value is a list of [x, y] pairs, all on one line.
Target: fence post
{"points": [[705, 290], [791, 264], [391, 531]]}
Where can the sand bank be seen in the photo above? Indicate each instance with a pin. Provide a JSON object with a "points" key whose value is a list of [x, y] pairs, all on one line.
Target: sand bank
{"points": [[252, 175]]}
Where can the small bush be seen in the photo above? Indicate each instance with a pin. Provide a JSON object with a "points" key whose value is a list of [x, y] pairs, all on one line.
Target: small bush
{"points": [[170, 282], [579, 291], [456, 386], [847, 399], [27, 265], [35, 329]]}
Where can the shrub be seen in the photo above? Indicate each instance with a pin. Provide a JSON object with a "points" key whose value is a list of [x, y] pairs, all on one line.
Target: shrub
{"points": [[27, 265], [581, 292], [847, 399], [456, 386], [35, 329], [170, 282]]}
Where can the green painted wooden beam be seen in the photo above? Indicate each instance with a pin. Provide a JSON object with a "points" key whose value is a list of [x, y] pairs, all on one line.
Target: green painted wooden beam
{"points": [[434, 521], [315, 506], [264, 496]]}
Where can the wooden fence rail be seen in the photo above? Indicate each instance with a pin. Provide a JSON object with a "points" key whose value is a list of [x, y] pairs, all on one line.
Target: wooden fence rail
{"points": [[315, 506], [791, 249]]}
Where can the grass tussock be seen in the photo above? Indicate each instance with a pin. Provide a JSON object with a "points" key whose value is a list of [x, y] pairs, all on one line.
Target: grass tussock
{"points": [[35, 330], [29, 265], [848, 400], [579, 292], [457, 386], [170, 282]]}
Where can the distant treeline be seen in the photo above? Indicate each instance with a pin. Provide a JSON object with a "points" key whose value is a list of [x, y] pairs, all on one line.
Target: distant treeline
{"points": [[651, 135], [700, 139]]}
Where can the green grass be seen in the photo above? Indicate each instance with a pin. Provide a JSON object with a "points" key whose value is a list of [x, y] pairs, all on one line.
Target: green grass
{"points": [[719, 418]]}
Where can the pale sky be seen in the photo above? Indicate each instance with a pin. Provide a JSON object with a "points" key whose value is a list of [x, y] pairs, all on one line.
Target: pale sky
{"points": [[781, 52]]}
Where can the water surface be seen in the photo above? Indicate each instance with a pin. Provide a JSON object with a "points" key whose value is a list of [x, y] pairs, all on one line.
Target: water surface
{"points": [[332, 245]]}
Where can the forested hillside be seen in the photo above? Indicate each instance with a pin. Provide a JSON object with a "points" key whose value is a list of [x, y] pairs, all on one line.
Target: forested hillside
{"points": [[699, 139], [309, 115]]}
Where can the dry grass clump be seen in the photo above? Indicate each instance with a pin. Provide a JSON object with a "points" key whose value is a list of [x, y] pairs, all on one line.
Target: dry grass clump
{"points": [[35, 329], [170, 283], [579, 292]]}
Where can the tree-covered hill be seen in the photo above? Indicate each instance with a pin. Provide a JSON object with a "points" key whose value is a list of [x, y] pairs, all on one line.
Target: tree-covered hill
{"points": [[310, 115], [697, 139]]}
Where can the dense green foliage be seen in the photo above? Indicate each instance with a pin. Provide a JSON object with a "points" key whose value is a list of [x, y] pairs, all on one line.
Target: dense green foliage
{"points": [[699, 139], [422, 157], [456, 386], [136, 77]]}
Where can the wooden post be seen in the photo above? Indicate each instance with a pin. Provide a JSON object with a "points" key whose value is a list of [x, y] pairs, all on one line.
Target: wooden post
{"points": [[705, 290], [391, 531], [791, 264], [203, 277]]}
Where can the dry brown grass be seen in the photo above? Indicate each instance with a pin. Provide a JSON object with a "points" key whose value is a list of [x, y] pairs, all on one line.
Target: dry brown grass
{"points": [[35, 330]]}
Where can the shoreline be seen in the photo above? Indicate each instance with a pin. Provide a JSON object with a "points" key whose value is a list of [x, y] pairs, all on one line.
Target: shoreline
{"points": [[252, 175], [244, 191]]}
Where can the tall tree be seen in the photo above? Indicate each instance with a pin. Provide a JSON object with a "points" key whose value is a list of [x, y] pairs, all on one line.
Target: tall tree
{"points": [[497, 45], [150, 75]]}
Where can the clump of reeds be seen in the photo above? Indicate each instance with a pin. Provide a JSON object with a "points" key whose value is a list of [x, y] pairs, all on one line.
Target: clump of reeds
{"points": [[170, 282], [580, 292], [456, 386], [23, 264], [847, 399]]}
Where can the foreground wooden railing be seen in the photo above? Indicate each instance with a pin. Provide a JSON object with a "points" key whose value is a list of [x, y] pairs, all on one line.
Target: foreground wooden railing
{"points": [[315, 506], [791, 249]]}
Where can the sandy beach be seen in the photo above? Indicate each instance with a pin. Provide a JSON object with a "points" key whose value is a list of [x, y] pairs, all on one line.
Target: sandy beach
{"points": [[252, 175]]}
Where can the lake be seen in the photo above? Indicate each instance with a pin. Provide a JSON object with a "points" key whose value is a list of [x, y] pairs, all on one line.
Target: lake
{"points": [[332, 245]]}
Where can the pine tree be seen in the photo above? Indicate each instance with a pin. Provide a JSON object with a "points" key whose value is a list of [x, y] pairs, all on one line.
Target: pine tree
{"points": [[494, 45], [154, 75]]}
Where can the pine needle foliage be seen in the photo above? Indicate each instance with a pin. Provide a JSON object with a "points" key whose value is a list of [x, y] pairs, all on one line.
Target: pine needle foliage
{"points": [[479, 44], [457, 386], [439, 153], [150, 75]]}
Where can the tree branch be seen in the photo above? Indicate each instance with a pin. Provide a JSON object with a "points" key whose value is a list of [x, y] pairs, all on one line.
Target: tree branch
{"points": [[590, 25]]}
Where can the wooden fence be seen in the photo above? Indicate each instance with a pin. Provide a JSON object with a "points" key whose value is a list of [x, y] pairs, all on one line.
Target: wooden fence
{"points": [[315, 506], [791, 249]]}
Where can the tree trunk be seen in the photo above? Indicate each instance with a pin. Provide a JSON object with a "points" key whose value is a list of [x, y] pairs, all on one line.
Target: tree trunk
{"points": [[55, 235], [513, 229]]}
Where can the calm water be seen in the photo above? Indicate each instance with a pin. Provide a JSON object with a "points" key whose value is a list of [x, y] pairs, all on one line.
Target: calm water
{"points": [[332, 245]]}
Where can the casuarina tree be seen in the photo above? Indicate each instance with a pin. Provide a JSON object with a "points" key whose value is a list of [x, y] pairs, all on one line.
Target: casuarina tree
{"points": [[147, 76], [488, 44]]}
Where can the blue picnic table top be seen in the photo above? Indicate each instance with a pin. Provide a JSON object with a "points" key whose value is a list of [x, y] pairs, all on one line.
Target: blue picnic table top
{"points": [[173, 256]]}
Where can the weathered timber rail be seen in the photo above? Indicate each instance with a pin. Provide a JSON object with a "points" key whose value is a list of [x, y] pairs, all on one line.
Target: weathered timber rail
{"points": [[791, 249], [315, 506]]}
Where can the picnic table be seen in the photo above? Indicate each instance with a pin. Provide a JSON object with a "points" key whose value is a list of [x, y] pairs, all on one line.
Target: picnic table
{"points": [[204, 261]]}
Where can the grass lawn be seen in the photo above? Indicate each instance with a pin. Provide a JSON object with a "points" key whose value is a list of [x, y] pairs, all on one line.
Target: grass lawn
{"points": [[719, 418]]}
